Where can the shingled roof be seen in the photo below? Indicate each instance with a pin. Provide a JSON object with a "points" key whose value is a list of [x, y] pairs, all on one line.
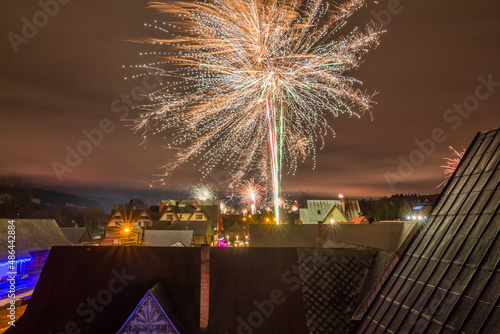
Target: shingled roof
{"points": [[116, 279], [31, 235], [448, 280], [252, 290]]}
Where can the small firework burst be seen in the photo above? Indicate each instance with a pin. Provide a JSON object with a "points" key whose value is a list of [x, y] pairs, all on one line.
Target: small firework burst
{"points": [[203, 192], [451, 164], [250, 194]]}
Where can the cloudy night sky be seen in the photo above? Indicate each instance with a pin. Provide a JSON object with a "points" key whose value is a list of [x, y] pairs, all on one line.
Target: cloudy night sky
{"points": [[64, 79]]}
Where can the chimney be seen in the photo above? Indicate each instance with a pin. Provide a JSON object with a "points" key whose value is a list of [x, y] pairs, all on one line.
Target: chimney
{"points": [[204, 288], [320, 234], [343, 207]]}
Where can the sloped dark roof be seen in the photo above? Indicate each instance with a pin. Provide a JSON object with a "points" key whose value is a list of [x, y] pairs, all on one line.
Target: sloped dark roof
{"points": [[241, 278], [199, 227], [448, 281], [352, 209], [165, 238], [313, 290], [381, 267], [332, 280], [211, 211], [392, 237], [73, 234], [272, 235], [31, 235], [128, 214], [73, 274], [184, 209]]}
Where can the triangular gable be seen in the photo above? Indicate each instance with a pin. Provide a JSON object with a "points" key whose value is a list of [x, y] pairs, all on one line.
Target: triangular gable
{"points": [[148, 317], [170, 210], [198, 211], [143, 215], [120, 216], [318, 210], [116, 214], [169, 202], [336, 215]]}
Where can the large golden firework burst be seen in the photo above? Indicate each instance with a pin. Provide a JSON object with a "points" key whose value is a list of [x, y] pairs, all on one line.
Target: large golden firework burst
{"points": [[253, 82]]}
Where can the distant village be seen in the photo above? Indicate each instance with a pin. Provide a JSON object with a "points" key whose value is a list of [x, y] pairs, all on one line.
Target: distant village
{"points": [[202, 266], [192, 222]]}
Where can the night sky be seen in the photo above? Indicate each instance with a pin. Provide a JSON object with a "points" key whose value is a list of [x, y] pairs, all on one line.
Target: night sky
{"points": [[64, 78]]}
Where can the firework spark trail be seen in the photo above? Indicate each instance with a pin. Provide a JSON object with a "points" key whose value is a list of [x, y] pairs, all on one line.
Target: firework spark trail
{"points": [[255, 81]]}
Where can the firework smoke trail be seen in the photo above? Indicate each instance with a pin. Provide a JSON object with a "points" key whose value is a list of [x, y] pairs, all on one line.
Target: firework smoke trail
{"points": [[251, 82]]}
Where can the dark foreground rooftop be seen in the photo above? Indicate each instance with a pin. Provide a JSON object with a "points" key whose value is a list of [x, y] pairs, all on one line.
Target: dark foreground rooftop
{"points": [[448, 281], [251, 290]]}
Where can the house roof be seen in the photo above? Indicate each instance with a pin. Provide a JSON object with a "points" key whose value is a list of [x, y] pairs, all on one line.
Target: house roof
{"points": [[304, 215], [118, 233], [73, 234], [73, 274], [211, 211], [352, 209], [448, 279], [393, 237], [240, 278], [186, 202], [31, 235], [318, 209], [358, 220], [128, 214], [337, 216], [296, 290], [199, 227], [167, 238], [382, 265], [332, 283], [272, 235]]}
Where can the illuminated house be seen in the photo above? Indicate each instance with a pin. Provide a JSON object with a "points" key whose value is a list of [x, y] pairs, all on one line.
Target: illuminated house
{"points": [[130, 234], [326, 210], [202, 217], [122, 219], [33, 240]]}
